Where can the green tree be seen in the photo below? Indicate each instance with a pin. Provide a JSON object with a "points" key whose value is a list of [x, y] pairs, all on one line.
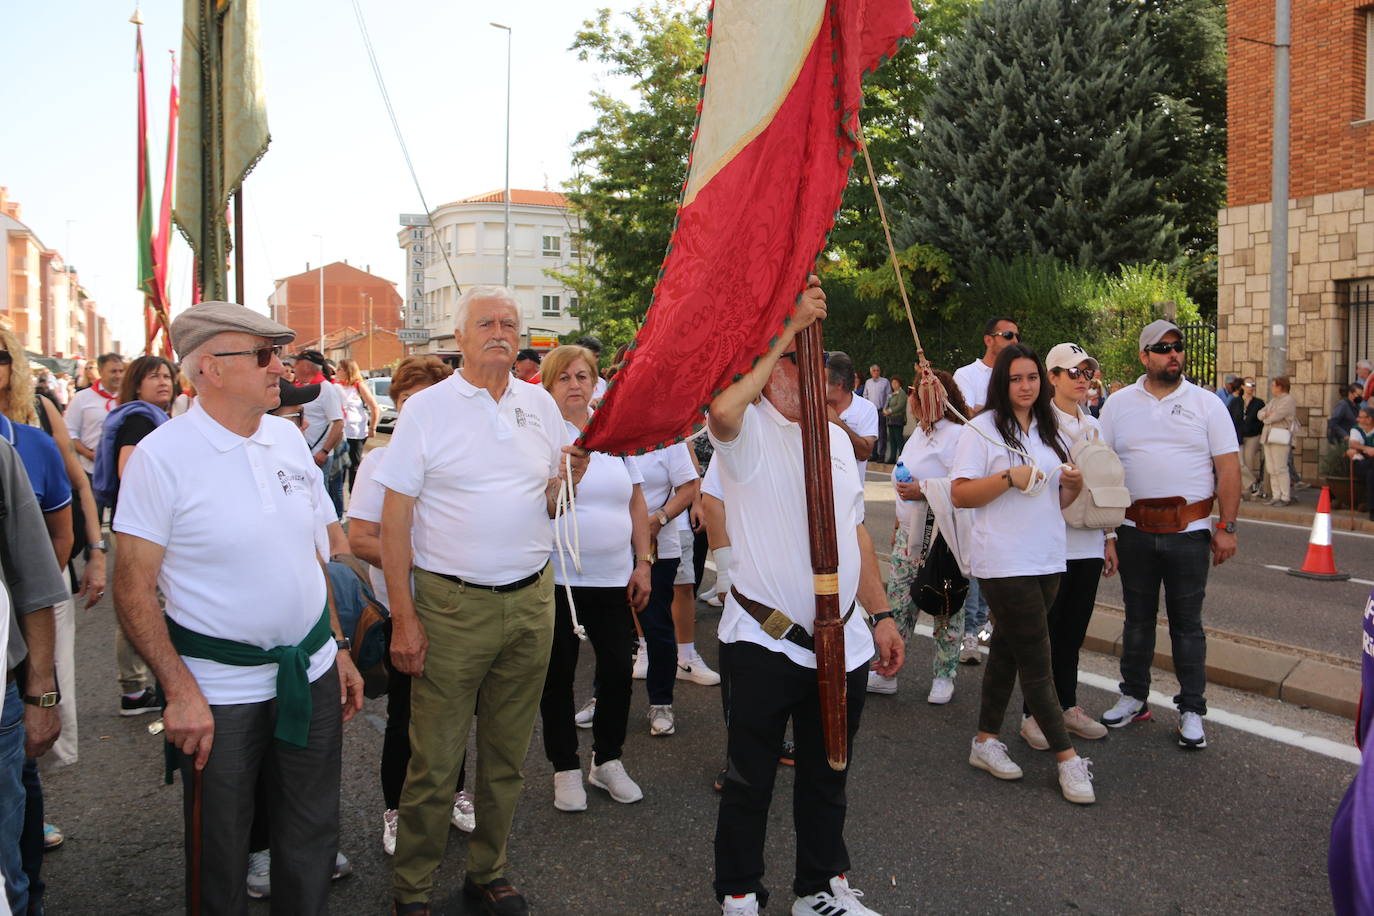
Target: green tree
{"points": [[1126, 303], [633, 160], [1046, 133]]}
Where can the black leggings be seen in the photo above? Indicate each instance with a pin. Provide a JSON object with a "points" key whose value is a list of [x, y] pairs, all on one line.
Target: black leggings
{"points": [[355, 457], [605, 613], [1020, 647]]}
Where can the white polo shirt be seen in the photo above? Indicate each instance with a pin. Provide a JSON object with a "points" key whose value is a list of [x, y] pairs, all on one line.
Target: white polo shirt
{"points": [[321, 412], [973, 383], [662, 472], [604, 524], [365, 504], [861, 417], [710, 482], [85, 418], [765, 508], [927, 456], [478, 471], [1167, 444], [1015, 534], [237, 518], [1080, 543]]}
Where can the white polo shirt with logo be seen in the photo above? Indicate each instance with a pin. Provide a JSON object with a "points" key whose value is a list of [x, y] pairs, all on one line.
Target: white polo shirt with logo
{"points": [[662, 472], [1167, 444], [477, 470], [973, 383], [237, 518], [762, 479], [862, 418], [320, 413]]}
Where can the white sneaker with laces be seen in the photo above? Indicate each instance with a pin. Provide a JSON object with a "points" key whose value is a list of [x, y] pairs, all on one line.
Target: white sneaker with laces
{"points": [[464, 815], [1126, 711], [697, 671], [1076, 780], [941, 691], [586, 714], [879, 684], [840, 900], [612, 777], [260, 874], [640, 671], [661, 720], [740, 905], [968, 650], [1190, 733], [568, 793], [389, 831], [991, 755]]}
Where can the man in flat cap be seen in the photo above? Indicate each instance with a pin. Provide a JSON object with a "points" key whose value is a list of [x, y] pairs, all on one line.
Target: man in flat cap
{"points": [[219, 508]]}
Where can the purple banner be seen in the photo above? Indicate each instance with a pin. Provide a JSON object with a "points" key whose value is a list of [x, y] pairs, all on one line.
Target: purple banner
{"points": [[1350, 863]]}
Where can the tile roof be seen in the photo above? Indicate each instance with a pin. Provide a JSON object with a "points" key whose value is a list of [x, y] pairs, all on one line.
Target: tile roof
{"points": [[517, 196]]}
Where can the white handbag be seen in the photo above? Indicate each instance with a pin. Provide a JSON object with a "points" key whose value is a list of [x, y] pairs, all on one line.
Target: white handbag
{"points": [[1279, 436]]}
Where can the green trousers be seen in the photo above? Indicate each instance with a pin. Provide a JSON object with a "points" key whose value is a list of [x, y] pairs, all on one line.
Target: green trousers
{"points": [[479, 640]]}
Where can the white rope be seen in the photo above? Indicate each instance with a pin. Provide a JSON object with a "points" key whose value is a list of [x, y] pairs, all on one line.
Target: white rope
{"points": [[1038, 478], [565, 522]]}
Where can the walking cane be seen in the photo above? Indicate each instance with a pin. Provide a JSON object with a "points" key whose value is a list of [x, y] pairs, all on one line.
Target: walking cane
{"points": [[197, 785]]}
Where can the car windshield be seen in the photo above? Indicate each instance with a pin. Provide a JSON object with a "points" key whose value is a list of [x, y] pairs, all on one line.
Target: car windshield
{"points": [[380, 386], [385, 400]]}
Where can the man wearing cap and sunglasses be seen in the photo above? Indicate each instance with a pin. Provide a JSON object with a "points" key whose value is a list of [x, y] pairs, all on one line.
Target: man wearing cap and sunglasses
{"points": [[220, 508], [1179, 449]]}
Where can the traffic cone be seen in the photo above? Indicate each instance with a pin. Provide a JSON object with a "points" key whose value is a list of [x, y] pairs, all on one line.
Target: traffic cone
{"points": [[1320, 562]]}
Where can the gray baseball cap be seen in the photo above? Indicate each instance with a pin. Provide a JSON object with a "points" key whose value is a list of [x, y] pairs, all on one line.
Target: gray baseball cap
{"points": [[199, 323], [1155, 331]]}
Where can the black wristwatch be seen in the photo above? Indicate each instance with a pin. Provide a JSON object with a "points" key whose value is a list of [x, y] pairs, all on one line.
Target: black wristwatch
{"points": [[344, 643], [879, 617]]}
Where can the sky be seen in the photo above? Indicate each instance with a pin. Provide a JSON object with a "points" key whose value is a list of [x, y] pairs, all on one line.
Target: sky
{"points": [[334, 167]]}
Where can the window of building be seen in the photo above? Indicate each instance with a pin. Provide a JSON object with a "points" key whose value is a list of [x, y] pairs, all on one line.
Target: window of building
{"points": [[1359, 323], [550, 306], [553, 246], [575, 246]]}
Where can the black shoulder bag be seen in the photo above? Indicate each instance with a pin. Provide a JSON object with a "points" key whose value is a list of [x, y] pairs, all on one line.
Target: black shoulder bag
{"points": [[939, 587]]}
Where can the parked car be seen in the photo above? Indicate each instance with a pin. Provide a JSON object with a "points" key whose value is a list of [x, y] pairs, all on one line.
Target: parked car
{"points": [[381, 390]]}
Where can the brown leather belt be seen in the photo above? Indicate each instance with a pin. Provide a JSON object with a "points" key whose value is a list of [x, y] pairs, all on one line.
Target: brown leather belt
{"points": [[778, 625], [1168, 514]]}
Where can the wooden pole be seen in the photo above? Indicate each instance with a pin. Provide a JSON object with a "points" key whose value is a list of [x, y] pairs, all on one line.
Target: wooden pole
{"points": [[820, 511], [238, 246]]}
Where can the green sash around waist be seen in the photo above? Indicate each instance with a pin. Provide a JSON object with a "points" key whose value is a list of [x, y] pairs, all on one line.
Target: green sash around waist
{"points": [[294, 708]]}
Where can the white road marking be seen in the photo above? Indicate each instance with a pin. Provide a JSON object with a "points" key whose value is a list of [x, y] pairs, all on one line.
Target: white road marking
{"points": [[1284, 569], [1258, 521]]}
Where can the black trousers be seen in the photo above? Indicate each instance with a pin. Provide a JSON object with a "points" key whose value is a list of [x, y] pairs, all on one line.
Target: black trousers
{"points": [[1020, 648], [605, 614], [1068, 622], [355, 458], [766, 690]]}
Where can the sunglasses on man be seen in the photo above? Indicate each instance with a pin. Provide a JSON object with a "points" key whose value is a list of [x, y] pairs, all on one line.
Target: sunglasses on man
{"points": [[1006, 335], [1175, 347], [264, 354]]}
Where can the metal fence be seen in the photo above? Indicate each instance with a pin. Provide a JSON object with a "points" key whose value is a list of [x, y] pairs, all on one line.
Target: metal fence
{"points": [[1200, 353], [1359, 324]]}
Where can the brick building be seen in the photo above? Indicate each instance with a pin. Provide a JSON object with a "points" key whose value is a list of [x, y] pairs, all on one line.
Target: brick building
{"points": [[379, 350], [353, 298], [1330, 211]]}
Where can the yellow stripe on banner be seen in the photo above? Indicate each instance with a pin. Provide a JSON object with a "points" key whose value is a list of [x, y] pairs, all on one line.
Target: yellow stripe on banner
{"points": [[826, 584]]}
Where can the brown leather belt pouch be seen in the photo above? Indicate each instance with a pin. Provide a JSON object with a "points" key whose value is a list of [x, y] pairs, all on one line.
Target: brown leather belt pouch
{"points": [[1167, 514]]}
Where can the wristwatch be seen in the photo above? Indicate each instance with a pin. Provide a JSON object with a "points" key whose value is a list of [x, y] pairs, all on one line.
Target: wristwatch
{"points": [[44, 700], [1228, 527], [344, 643], [662, 518], [100, 545], [879, 617]]}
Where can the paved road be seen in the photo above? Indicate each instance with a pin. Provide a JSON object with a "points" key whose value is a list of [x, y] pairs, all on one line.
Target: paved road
{"points": [[1239, 828]]}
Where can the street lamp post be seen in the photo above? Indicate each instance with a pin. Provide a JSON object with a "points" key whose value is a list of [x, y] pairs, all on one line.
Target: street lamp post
{"points": [[505, 271], [321, 238], [371, 333]]}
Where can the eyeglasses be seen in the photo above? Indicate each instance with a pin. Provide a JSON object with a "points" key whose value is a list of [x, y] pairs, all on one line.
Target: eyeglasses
{"points": [[1007, 335], [5, 358], [264, 354], [1076, 373], [1175, 347]]}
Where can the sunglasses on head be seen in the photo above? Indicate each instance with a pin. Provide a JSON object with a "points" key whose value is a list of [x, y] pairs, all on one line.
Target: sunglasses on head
{"points": [[1076, 373], [264, 354], [1175, 347], [1007, 335]]}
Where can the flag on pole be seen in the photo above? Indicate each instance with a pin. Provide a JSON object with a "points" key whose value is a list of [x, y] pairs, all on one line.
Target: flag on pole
{"points": [[151, 270], [777, 130]]}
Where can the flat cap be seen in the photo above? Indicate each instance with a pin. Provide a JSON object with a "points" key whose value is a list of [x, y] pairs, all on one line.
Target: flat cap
{"points": [[1154, 332], [199, 323]]}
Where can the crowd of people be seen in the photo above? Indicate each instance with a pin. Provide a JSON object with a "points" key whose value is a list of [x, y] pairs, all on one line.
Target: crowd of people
{"points": [[497, 547]]}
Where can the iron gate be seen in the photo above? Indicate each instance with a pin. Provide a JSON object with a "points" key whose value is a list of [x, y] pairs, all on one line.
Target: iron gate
{"points": [[1200, 353]]}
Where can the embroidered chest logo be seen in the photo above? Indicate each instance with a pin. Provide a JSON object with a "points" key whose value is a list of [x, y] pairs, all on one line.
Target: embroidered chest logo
{"points": [[291, 483], [524, 420], [1180, 411]]}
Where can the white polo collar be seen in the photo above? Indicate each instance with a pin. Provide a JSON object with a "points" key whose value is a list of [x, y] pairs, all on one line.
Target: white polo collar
{"points": [[469, 390], [772, 412], [1178, 392], [226, 440]]}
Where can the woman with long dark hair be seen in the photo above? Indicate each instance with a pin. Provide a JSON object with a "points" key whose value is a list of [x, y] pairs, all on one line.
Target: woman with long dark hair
{"points": [[1012, 469]]}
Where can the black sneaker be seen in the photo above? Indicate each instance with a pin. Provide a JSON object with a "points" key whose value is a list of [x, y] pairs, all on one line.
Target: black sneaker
{"points": [[499, 897], [137, 706]]}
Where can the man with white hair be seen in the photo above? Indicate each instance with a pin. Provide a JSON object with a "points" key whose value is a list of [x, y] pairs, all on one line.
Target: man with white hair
{"points": [[1364, 377], [219, 507], [471, 477]]}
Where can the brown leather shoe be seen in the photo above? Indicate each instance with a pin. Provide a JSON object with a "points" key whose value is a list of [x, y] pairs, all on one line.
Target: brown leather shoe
{"points": [[499, 897]]}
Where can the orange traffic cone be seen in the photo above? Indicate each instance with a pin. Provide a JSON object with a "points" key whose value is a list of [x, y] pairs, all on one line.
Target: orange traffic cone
{"points": [[1320, 562]]}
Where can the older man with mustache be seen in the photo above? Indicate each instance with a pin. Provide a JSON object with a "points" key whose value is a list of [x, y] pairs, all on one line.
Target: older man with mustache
{"points": [[471, 478]]}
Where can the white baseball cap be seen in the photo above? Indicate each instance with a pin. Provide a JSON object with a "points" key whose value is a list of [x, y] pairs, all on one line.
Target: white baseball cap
{"points": [[1068, 356]]}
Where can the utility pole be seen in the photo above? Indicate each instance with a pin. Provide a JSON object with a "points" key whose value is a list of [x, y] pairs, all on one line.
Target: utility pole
{"points": [[321, 238], [1278, 222], [505, 272]]}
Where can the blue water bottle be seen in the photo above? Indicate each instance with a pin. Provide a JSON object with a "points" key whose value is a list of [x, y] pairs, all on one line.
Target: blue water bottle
{"points": [[902, 475]]}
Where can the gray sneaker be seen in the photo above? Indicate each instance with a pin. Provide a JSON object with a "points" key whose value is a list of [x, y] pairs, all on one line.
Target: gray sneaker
{"points": [[661, 720], [260, 874]]}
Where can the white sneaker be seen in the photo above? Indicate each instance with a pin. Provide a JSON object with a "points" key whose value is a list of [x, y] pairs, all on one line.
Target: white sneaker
{"points": [[389, 831], [840, 900], [612, 777], [1076, 780], [1190, 733], [342, 867], [697, 671], [661, 720], [464, 815], [879, 684], [969, 653], [1126, 711], [586, 714], [716, 601], [568, 794], [991, 755], [941, 691], [641, 666], [740, 905], [260, 874]]}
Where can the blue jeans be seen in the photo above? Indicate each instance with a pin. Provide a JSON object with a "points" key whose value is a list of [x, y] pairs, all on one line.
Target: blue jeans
{"points": [[1179, 562], [13, 799], [975, 608], [660, 639]]}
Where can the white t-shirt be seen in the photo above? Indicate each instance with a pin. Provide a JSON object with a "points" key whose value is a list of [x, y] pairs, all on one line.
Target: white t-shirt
{"points": [[366, 504], [862, 418], [319, 413], [765, 509], [1080, 543], [1167, 445], [238, 520], [478, 471], [85, 418], [354, 412], [599, 389], [1356, 439], [710, 483], [604, 523], [973, 383], [927, 457], [663, 472], [1015, 534]]}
